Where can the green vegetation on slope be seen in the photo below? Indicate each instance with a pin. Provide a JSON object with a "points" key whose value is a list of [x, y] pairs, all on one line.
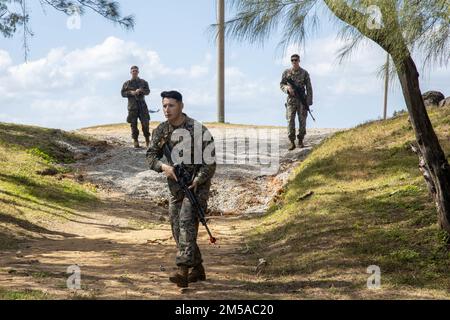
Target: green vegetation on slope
{"points": [[28, 199], [370, 207], [23, 295]]}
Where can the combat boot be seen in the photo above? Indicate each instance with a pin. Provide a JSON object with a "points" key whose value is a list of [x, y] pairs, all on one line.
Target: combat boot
{"points": [[136, 143], [292, 146], [197, 274], [300, 144], [180, 277], [147, 142]]}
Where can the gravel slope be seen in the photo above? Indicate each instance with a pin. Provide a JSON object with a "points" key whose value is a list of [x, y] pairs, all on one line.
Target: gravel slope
{"points": [[245, 186]]}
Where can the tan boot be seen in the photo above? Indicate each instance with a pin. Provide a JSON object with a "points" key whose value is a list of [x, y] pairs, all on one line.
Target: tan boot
{"points": [[197, 274], [136, 143], [292, 146], [147, 142], [180, 277]]}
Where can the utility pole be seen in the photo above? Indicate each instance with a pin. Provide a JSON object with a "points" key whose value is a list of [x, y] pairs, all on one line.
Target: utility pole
{"points": [[386, 88], [221, 61]]}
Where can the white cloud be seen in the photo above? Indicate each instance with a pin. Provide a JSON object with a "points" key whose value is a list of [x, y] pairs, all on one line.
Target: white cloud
{"points": [[5, 59], [233, 73], [198, 71], [72, 89], [85, 67], [99, 108], [200, 97]]}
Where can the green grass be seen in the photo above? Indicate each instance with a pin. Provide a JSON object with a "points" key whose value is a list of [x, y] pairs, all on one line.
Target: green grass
{"points": [[23, 295], [370, 207], [26, 198]]}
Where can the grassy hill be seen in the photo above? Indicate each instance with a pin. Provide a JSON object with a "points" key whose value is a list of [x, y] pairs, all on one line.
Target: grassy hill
{"points": [[35, 187], [370, 207]]}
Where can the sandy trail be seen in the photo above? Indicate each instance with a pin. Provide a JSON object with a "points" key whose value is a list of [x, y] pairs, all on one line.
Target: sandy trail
{"points": [[124, 251], [124, 246]]}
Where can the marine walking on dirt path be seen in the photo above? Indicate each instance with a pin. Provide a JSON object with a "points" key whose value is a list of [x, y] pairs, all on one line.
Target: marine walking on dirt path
{"points": [[196, 147], [293, 81], [135, 90]]}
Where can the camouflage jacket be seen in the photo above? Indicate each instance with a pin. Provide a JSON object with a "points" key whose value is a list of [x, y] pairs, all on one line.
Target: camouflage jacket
{"points": [[133, 85], [301, 78], [199, 158]]}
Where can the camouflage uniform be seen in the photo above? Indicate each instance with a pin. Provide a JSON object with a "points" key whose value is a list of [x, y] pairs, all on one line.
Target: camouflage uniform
{"points": [[294, 106], [184, 219], [137, 108]]}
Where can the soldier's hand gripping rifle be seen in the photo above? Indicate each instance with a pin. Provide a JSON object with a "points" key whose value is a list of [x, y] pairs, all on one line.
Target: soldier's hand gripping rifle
{"points": [[184, 180], [300, 93]]}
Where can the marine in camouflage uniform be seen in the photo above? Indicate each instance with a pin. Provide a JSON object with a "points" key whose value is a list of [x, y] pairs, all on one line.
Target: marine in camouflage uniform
{"points": [[137, 107], [183, 217], [294, 106]]}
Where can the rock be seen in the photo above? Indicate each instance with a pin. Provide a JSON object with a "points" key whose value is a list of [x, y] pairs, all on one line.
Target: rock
{"points": [[80, 156], [445, 102], [56, 132], [102, 143], [432, 98], [48, 172]]}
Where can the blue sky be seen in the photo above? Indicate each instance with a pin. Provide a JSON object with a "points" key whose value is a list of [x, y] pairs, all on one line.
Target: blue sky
{"points": [[73, 77]]}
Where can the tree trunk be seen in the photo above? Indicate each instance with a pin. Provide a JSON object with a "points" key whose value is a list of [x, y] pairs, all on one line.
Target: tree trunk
{"points": [[433, 162]]}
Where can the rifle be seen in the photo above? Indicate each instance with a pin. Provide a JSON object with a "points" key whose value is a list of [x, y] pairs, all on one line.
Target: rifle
{"points": [[184, 179], [300, 93]]}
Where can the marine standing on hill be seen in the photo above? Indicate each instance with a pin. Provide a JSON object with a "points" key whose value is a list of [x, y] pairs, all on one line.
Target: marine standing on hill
{"points": [[294, 106], [201, 165], [135, 90]]}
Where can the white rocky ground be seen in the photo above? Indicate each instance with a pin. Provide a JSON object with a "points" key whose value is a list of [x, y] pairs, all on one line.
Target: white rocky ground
{"points": [[245, 186]]}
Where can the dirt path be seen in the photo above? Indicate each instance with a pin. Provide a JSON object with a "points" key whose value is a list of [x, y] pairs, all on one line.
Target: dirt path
{"points": [[124, 251], [124, 246]]}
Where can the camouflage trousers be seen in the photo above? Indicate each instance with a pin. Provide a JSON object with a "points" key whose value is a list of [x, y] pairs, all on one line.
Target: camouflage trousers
{"points": [[293, 110], [142, 114], [185, 223]]}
